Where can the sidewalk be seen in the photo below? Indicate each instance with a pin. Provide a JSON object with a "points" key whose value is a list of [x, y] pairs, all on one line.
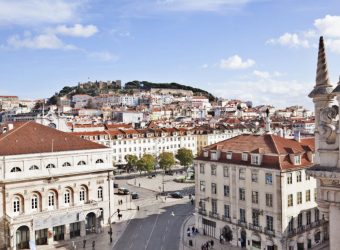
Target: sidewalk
{"points": [[102, 240], [199, 239]]}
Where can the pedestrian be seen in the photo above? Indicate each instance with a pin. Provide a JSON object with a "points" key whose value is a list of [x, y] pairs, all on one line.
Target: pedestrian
{"points": [[192, 201], [188, 232], [193, 229], [121, 202], [196, 230], [139, 184], [93, 245], [156, 197], [212, 243], [84, 243]]}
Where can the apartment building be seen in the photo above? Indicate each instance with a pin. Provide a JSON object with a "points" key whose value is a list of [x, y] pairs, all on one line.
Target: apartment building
{"points": [[54, 186], [253, 191]]}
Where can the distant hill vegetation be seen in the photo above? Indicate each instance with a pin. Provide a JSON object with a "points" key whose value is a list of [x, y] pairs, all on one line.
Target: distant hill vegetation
{"points": [[95, 89]]}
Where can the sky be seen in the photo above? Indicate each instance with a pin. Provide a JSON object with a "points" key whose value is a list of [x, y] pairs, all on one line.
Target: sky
{"points": [[264, 51]]}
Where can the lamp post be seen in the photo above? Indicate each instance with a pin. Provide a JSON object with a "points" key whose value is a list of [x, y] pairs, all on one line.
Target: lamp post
{"points": [[109, 186]]}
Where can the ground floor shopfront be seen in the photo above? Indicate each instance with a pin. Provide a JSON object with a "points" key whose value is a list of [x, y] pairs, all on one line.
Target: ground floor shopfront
{"points": [[46, 231], [257, 238]]}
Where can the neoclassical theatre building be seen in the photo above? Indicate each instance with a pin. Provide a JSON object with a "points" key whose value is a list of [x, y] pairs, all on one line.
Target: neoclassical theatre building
{"points": [[54, 186], [253, 191]]}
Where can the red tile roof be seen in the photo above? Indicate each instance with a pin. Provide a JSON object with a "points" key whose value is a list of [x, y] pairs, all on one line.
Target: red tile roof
{"points": [[32, 138]]}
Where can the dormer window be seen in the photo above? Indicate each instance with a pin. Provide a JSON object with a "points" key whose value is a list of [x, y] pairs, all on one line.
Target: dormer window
{"points": [[297, 159], [255, 159], [244, 157], [214, 156], [229, 155], [205, 153]]}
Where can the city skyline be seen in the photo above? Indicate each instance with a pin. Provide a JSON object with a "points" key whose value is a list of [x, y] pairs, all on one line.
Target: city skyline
{"points": [[263, 51]]}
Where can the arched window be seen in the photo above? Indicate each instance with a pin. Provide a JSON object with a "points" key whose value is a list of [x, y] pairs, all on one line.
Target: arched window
{"points": [[99, 161], [100, 193], [50, 165], [16, 205], [15, 169], [67, 197], [82, 194], [67, 164], [51, 200], [81, 163], [34, 202], [34, 167]]}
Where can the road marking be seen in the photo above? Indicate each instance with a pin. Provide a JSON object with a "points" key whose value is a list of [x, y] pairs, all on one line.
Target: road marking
{"points": [[153, 228]]}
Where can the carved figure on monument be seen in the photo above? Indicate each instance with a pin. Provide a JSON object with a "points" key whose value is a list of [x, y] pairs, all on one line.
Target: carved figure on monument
{"points": [[328, 124]]}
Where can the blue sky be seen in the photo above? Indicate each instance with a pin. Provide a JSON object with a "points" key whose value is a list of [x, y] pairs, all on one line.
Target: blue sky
{"points": [[259, 50]]}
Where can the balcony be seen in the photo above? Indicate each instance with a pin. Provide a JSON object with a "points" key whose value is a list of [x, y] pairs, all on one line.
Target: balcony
{"points": [[202, 212], [269, 231], [225, 218], [305, 228], [242, 223], [214, 215], [255, 227]]}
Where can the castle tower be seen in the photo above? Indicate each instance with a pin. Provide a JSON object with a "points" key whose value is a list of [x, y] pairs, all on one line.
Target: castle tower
{"points": [[327, 136]]}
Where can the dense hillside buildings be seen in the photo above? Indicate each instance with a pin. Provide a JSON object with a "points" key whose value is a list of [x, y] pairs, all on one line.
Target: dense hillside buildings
{"points": [[53, 186], [326, 99], [253, 191]]}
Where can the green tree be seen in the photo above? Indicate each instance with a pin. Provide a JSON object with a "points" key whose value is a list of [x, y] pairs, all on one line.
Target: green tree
{"points": [[185, 156], [146, 163], [166, 160], [131, 162]]}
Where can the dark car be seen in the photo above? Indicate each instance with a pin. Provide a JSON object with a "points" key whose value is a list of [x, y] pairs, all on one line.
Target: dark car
{"points": [[115, 185], [176, 195], [169, 172], [123, 190], [134, 195]]}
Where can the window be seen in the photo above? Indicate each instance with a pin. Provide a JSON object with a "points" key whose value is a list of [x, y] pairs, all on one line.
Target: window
{"points": [[242, 174], [255, 197], [50, 165], [269, 223], [213, 169], [34, 202], [213, 188], [99, 161], [299, 220], [81, 163], [269, 200], [254, 176], [244, 157], [255, 215], [51, 199], [229, 155], [202, 186], [242, 194], [226, 190], [269, 179], [201, 168], [298, 176], [315, 194], [299, 197], [34, 167], [100, 193], [308, 217], [225, 171], [291, 224], [15, 169], [67, 164], [82, 194], [16, 205], [289, 178], [316, 214], [255, 159], [297, 159], [227, 211], [242, 215], [67, 197], [307, 195], [290, 200], [307, 177], [214, 206]]}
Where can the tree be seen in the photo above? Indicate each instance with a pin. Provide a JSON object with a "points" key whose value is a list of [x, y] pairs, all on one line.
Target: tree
{"points": [[131, 162], [146, 163], [185, 156], [166, 160]]}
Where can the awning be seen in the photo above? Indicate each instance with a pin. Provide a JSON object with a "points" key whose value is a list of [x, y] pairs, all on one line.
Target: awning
{"points": [[255, 237], [270, 243]]}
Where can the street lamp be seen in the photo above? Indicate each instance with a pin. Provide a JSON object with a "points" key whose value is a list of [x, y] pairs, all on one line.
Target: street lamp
{"points": [[109, 186]]}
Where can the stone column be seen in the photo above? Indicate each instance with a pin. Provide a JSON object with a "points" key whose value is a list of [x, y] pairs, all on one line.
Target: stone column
{"points": [[50, 236], [82, 229], [67, 235], [334, 226]]}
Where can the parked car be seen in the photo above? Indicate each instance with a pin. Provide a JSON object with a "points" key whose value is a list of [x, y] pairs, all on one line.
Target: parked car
{"points": [[134, 195], [169, 172], [123, 190], [177, 195]]}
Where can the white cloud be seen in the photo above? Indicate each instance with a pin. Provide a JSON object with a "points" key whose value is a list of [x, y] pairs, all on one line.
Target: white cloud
{"points": [[328, 26], [27, 12], [77, 30], [200, 5], [236, 62], [205, 66], [103, 56], [43, 41], [266, 74], [290, 40], [333, 45]]}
